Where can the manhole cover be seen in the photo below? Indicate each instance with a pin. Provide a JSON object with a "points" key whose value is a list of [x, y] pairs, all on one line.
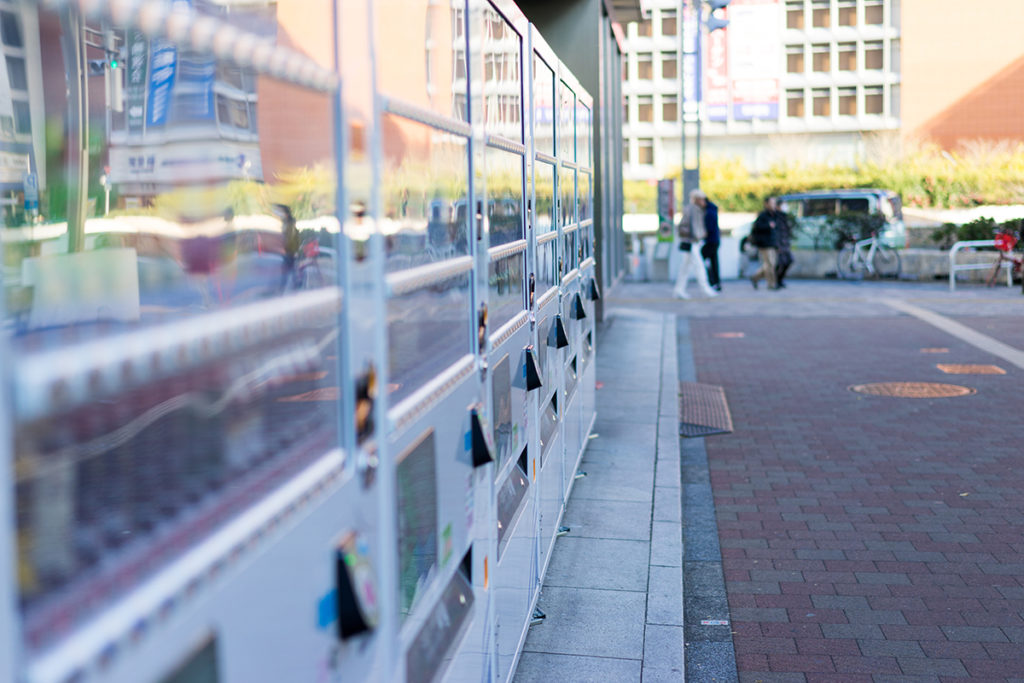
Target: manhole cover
{"points": [[956, 369], [912, 389], [935, 349]]}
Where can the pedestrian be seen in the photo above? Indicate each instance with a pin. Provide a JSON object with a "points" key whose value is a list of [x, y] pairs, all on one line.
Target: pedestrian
{"points": [[712, 239], [764, 237], [691, 236], [783, 233]]}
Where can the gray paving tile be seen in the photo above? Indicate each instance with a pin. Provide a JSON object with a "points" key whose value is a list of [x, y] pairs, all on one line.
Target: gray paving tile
{"points": [[538, 667], [667, 504], [665, 596], [591, 622], [663, 652], [609, 519], [615, 480], [599, 563], [667, 544]]}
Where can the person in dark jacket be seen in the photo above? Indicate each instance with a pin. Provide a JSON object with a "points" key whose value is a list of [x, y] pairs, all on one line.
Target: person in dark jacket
{"points": [[712, 239], [764, 237], [783, 232]]}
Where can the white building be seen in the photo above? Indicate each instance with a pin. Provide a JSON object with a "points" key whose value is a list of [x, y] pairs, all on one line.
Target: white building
{"points": [[788, 79]]}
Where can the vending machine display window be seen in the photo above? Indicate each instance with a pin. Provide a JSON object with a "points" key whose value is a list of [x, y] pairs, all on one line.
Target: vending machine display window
{"points": [[417, 520]]}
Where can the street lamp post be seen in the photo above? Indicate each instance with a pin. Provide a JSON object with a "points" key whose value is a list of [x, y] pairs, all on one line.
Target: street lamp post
{"points": [[691, 177]]}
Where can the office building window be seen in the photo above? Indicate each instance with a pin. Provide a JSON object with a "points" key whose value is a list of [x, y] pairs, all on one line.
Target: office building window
{"points": [[625, 151], [873, 99], [822, 57], [821, 100], [625, 68], [847, 101], [847, 54], [645, 151], [16, 73], [795, 104], [873, 56], [22, 118], [894, 56], [10, 29], [821, 14], [795, 59], [645, 108], [795, 14], [643, 28], [625, 110], [669, 108], [669, 65], [644, 68], [669, 27], [847, 12], [894, 97], [874, 14]]}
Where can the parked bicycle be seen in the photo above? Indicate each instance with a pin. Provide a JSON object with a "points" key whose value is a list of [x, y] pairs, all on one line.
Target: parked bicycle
{"points": [[1006, 240], [867, 257]]}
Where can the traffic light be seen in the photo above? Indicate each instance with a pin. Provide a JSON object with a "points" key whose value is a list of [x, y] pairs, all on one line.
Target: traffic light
{"points": [[714, 23]]}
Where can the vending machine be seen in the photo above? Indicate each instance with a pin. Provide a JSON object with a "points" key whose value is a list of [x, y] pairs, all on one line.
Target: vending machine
{"points": [[306, 400]]}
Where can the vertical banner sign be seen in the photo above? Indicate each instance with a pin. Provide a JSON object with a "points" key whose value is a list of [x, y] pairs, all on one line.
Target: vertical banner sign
{"points": [[135, 87], [163, 63], [690, 103], [755, 61], [666, 209], [716, 72]]}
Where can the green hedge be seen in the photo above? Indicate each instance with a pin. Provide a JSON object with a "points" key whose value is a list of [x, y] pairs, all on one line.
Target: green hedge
{"points": [[925, 177]]}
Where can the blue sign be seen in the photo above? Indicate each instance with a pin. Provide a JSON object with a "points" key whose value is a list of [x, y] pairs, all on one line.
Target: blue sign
{"points": [[163, 64]]}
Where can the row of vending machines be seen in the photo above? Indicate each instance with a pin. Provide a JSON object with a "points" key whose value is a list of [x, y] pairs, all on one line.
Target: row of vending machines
{"points": [[306, 400]]}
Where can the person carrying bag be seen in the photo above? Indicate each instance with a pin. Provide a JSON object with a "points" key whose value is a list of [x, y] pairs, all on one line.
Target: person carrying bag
{"points": [[691, 233]]}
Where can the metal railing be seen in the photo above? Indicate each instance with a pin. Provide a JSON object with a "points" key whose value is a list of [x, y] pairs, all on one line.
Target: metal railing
{"points": [[967, 244]]}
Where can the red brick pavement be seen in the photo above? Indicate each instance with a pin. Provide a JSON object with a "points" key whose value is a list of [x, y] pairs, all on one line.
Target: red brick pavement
{"points": [[866, 538]]}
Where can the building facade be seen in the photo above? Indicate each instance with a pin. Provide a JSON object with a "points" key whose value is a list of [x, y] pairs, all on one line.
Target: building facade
{"points": [[802, 79]]}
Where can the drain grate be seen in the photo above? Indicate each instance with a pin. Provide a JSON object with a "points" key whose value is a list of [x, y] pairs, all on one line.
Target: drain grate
{"points": [[935, 349], [730, 335], [912, 389], [961, 369], [703, 410]]}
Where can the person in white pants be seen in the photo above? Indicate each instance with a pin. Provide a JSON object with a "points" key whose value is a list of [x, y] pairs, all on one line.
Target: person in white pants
{"points": [[691, 234]]}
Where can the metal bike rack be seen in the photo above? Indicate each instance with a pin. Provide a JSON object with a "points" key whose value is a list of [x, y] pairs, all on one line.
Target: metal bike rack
{"points": [[967, 244]]}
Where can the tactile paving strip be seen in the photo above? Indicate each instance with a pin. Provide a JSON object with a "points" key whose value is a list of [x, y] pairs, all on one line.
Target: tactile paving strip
{"points": [[961, 369], [912, 389], [703, 410]]}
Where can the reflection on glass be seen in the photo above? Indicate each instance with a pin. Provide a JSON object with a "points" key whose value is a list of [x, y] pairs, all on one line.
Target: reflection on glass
{"points": [[583, 134], [425, 45], [502, 88], [547, 266], [205, 208], [505, 284], [505, 206], [544, 190], [566, 197], [570, 256], [543, 106], [566, 123], [425, 192], [585, 198], [428, 330]]}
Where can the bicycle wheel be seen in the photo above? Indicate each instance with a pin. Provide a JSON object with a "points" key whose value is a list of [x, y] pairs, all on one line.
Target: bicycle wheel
{"points": [[886, 262], [849, 266]]}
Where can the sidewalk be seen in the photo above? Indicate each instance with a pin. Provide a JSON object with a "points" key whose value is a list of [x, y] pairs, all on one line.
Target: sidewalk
{"points": [[613, 593]]}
